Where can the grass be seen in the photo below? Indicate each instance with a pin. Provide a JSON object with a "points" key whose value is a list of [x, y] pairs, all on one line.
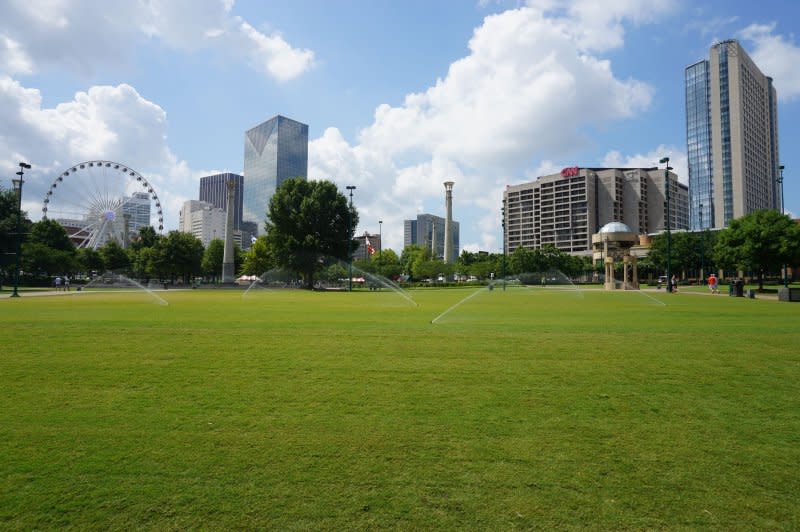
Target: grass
{"points": [[529, 408]]}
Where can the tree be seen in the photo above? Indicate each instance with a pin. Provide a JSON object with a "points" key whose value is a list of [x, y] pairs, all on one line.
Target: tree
{"points": [[212, 258], [258, 259], [365, 265], [387, 263], [411, 254], [525, 260], [147, 238], [114, 257], [90, 260], [308, 222], [8, 231], [40, 259], [52, 234], [177, 255], [48, 250], [760, 242]]}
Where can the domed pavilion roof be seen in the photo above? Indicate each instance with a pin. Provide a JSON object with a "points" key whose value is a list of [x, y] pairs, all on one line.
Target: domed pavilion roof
{"points": [[615, 227]]}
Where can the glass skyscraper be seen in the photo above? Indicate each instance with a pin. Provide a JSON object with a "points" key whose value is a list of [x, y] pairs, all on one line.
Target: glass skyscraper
{"points": [[274, 151], [731, 137], [698, 144]]}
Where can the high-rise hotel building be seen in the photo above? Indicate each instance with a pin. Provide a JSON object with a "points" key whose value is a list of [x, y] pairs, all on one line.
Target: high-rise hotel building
{"points": [[565, 209], [274, 151], [731, 137]]}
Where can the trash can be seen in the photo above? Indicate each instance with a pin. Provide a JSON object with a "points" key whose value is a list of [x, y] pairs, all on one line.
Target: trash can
{"points": [[751, 294], [739, 288]]}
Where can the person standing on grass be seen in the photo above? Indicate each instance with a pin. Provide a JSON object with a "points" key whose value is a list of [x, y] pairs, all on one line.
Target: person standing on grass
{"points": [[66, 283], [58, 283], [674, 283], [712, 283]]}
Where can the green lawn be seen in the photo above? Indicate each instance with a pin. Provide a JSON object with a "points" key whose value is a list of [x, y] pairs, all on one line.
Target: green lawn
{"points": [[518, 409]]}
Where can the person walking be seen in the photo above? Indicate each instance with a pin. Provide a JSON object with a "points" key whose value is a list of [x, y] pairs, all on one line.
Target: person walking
{"points": [[58, 283], [674, 283], [66, 283]]}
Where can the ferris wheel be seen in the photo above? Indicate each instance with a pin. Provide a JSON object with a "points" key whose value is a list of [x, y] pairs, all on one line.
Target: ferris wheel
{"points": [[98, 201]]}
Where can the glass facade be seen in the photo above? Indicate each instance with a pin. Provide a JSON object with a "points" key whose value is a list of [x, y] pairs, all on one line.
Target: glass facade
{"points": [[743, 120], [698, 145], [274, 151], [137, 206]]}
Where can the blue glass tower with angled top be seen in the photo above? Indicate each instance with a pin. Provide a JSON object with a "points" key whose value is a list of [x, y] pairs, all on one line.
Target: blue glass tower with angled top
{"points": [[274, 151]]}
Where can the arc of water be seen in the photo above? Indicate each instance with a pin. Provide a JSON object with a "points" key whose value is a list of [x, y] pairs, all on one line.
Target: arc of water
{"points": [[386, 283], [160, 300], [446, 312], [645, 294]]}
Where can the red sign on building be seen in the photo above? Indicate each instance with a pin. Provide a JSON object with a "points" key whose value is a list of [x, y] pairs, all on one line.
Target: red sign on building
{"points": [[570, 171]]}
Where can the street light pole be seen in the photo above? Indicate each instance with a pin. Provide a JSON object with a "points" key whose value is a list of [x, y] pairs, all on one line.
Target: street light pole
{"points": [[503, 215], [780, 181], [380, 240], [351, 188], [18, 187], [665, 161], [702, 248]]}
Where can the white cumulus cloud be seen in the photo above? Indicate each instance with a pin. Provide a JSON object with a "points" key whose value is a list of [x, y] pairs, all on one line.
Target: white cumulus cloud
{"points": [[777, 56], [677, 160], [79, 35], [106, 122], [530, 88]]}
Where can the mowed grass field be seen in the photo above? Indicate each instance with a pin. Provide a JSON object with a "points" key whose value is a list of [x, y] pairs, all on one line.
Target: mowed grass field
{"points": [[518, 409]]}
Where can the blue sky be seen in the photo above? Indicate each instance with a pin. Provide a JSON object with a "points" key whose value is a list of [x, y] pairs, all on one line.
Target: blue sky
{"points": [[399, 96]]}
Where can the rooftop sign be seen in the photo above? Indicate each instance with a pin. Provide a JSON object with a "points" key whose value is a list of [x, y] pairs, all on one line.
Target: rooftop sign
{"points": [[570, 171]]}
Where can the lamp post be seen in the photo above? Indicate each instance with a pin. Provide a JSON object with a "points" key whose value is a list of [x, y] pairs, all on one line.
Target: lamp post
{"points": [[351, 188], [380, 240], [780, 182], [702, 248], [18, 188], [667, 168], [503, 215]]}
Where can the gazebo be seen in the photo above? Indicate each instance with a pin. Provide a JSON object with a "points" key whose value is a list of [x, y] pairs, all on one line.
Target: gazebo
{"points": [[613, 243]]}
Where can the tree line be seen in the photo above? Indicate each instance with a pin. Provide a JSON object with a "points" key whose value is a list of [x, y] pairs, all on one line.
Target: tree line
{"points": [[310, 228], [758, 245]]}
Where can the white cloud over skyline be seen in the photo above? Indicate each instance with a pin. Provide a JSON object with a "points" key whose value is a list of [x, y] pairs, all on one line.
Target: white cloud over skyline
{"points": [[470, 128], [776, 56], [110, 123], [80, 36]]}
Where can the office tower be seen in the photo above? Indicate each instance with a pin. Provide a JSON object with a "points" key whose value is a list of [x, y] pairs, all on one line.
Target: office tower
{"points": [[204, 221], [274, 151], [427, 231], [213, 190], [565, 209], [137, 206], [731, 137]]}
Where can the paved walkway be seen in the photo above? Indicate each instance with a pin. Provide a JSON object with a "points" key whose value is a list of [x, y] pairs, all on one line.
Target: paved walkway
{"points": [[58, 293]]}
